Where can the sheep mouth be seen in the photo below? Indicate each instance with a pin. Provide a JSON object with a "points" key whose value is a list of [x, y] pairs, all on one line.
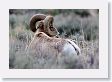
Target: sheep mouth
{"points": [[57, 36]]}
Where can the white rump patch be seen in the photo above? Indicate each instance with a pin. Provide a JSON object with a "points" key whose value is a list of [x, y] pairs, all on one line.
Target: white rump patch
{"points": [[74, 45], [69, 49], [69, 53]]}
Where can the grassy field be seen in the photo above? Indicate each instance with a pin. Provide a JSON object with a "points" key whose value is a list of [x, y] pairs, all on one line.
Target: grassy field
{"points": [[80, 25]]}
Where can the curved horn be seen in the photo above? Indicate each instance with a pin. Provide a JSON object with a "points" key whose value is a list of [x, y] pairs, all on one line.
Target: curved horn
{"points": [[48, 22], [34, 19]]}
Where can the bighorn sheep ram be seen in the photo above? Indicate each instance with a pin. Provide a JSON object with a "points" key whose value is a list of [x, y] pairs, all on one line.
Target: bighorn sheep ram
{"points": [[45, 46]]}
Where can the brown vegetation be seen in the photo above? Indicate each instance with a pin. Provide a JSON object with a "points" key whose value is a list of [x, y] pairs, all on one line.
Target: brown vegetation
{"points": [[81, 26]]}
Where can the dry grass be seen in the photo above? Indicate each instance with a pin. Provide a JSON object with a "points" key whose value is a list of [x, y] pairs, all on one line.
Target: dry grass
{"points": [[84, 31]]}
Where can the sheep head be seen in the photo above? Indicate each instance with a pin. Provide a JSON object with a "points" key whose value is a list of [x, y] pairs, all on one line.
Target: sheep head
{"points": [[43, 23]]}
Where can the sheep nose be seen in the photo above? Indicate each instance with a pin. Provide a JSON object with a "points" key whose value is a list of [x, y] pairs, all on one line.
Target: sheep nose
{"points": [[58, 33]]}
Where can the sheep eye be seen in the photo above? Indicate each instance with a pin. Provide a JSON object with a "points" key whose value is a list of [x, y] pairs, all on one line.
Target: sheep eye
{"points": [[51, 28]]}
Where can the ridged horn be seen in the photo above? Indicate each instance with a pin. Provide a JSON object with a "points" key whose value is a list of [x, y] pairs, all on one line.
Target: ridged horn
{"points": [[34, 19], [48, 20], [48, 23]]}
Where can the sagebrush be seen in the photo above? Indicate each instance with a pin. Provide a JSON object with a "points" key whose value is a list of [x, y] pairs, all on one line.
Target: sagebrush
{"points": [[79, 25]]}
